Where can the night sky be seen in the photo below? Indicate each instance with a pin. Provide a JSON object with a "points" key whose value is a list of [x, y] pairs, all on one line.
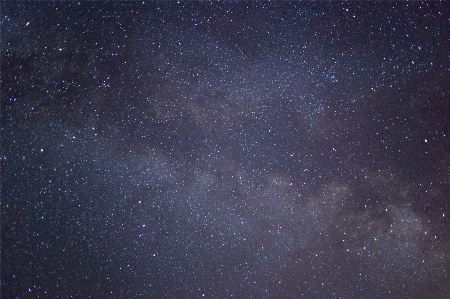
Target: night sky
{"points": [[217, 150]]}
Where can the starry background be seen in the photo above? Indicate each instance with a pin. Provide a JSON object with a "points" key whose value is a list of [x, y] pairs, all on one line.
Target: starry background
{"points": [[248, 150]]}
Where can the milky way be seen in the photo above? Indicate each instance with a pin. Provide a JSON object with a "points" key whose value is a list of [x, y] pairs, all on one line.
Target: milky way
{"points": [[247, 150]]}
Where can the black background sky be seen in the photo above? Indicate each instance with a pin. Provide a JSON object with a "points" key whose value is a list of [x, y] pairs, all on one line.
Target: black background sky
{"points": [[247, 150]]}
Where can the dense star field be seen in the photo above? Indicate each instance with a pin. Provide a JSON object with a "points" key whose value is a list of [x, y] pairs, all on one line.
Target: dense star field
{"points": [[245, 150]]}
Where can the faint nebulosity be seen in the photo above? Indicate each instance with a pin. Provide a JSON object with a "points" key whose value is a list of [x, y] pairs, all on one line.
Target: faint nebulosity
{"points": [[224, 149]]}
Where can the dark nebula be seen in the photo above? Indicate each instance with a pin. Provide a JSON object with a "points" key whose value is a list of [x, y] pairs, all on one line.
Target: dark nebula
{"points": [[224, 149]]}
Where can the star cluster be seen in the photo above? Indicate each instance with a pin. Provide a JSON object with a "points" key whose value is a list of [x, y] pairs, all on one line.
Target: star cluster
{"points": [[236, 149]]}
